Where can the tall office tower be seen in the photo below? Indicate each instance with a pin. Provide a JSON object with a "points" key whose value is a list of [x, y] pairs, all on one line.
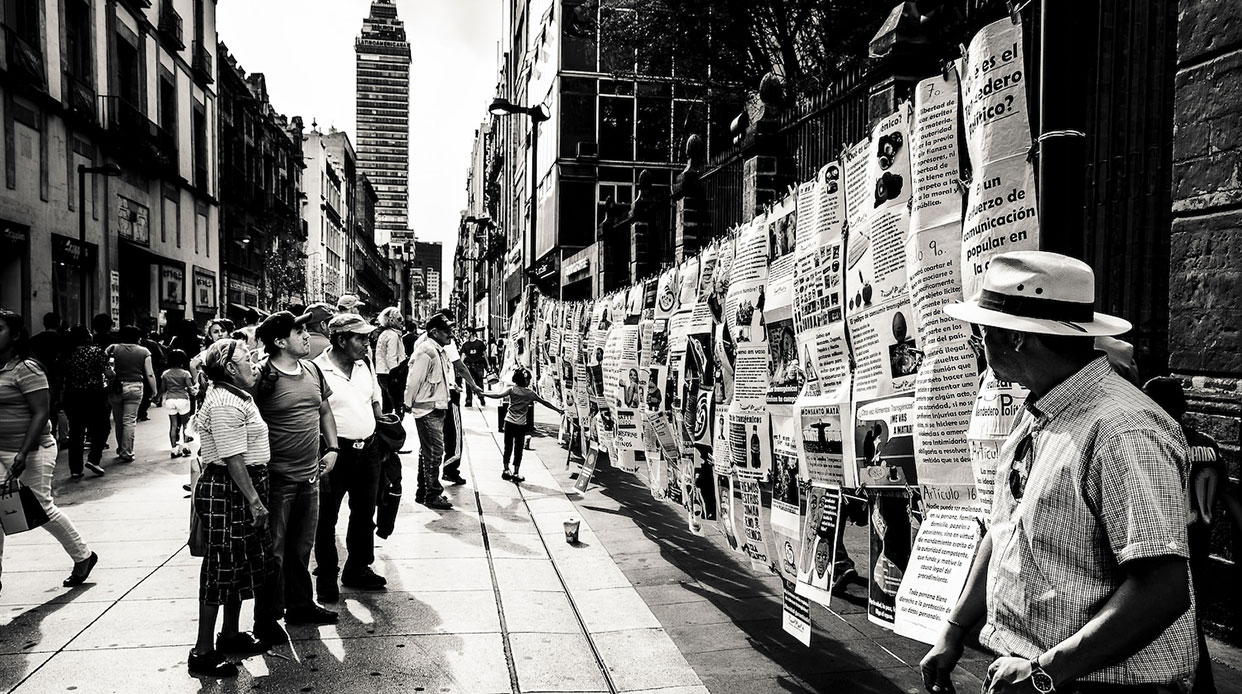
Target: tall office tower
{"points": [[383, 111]]}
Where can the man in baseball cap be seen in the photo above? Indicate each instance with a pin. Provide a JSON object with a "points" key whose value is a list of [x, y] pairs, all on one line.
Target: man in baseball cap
{"points": [[349, 303], [1082, 581], [317, 327], [356, 402]]}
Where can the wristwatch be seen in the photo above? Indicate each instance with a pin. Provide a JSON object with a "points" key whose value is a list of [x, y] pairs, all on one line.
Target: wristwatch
{"points": [[331, 449], [1041, 679]]}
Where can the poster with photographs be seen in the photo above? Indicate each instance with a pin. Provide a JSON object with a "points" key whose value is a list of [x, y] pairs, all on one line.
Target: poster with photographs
{"points": [[821, 441], [750, 440], [819, 306], [784, 372], [884, 441], [817, 557], [787, 502], [893, 527]]}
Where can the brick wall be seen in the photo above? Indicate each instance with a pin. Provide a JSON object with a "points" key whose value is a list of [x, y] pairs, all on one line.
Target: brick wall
{"points": [[1205, 268]]}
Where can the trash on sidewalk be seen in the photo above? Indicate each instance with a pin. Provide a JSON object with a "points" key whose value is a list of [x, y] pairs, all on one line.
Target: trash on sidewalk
{"points": [[571, 530]]}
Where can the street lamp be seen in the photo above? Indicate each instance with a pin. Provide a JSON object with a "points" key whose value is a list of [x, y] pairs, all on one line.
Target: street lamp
{"points": [[105, 170], [537, 114]]}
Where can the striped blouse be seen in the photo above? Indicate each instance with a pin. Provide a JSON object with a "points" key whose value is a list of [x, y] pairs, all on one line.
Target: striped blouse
{"points": [[229, 423]]}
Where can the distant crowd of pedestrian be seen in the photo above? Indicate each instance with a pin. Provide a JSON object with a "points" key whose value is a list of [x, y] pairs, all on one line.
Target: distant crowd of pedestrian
{"points": [[292, 413]]}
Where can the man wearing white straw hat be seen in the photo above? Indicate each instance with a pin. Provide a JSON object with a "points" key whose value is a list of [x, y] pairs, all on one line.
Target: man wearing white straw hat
{"points": [[1082, 581]]}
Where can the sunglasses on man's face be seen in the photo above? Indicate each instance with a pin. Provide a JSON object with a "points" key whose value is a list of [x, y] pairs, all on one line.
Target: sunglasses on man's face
{"points": [[1017, 477]]}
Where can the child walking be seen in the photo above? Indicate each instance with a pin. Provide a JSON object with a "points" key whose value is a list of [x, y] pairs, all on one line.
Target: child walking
{"points": [[178, 387], [518, 421]]}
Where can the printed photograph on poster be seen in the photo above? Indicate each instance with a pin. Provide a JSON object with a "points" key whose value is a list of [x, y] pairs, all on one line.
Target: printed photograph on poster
{"points": [[875, 267], [822, 442], [884, 441], [889, 162], [724, 510], [787, 503], [781, 223], [893, 529], [785, 376], [944, 550], [750, 443], [748, 276], [724, 361], [817, 560], [886, 354], [755, 546]]}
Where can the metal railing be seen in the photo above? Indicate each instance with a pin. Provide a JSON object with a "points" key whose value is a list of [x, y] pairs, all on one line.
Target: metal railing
{"points": [[202, 64], [24, 57], [80, 96], [170, 24]]}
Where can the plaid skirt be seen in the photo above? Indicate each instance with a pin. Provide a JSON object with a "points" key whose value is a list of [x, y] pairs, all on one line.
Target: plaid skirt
{"points": [[238, 553]]}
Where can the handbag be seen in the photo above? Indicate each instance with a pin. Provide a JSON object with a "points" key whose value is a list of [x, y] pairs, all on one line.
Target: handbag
{"points": [[198, 529], [20, 509]]}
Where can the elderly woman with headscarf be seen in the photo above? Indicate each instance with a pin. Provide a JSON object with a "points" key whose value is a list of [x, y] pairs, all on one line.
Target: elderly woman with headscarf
{"points": [[390, 355], [230, 500]]}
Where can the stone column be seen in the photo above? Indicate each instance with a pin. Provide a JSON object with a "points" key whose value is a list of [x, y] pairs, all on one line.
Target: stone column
{"points": [[1205, 262], [690, 205]]}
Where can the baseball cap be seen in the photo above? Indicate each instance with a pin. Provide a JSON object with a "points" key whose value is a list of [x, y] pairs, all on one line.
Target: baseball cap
{"points": [[279, 325], [319, 312], [348, 302], [349, 323], [439, 321]]}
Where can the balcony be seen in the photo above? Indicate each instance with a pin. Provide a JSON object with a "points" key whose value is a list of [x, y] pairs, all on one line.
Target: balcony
{"points": [[137, 5], [80, 97], [25, 59], [170, 26], [201, 65], [137, 138]]}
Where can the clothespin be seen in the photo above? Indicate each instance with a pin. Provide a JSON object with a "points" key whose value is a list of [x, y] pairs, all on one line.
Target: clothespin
{"points": [[1015, 15], [946, 69], [1033, 152]]}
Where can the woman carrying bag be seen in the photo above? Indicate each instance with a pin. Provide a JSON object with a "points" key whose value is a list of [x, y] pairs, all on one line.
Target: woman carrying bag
{"points": [[27, 449], [230, 499]]}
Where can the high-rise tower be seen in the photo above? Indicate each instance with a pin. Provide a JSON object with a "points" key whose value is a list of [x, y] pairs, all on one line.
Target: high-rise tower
{"points": [[383, 115]]}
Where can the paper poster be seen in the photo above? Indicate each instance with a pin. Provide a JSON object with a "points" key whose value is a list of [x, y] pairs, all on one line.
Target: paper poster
{"points": [[588, 469], [939, 566], [795, 614], [819, 288], [934, 156], [1001, 209], [787, 505], [724, 511], [817, 559], [821, 441], [750, 444], [755, 545], [887, 354], [701, 504], [892, 536], [884, 441], [996, 409]]}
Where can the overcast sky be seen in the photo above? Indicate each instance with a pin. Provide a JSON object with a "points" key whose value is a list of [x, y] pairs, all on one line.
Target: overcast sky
{"points": [[305, 48]]}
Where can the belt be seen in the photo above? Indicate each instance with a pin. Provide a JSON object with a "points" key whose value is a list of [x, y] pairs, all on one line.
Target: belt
{"points": [[355, 444], [1103, 688]]}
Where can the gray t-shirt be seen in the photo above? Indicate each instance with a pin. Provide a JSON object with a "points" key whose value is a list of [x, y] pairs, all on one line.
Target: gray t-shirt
{"points": [[290, 406]]}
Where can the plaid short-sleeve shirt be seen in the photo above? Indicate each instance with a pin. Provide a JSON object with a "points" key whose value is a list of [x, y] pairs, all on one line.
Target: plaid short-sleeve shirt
{"points": [[1104, 473]]}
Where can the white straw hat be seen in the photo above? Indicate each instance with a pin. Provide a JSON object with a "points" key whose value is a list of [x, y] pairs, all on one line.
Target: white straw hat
{"points": [[1038, 292]]}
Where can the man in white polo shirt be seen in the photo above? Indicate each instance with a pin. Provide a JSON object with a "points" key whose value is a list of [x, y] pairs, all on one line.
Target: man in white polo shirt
{"points": [[356, 403]]}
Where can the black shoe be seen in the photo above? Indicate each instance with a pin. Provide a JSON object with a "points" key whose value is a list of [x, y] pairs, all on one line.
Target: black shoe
{"points": [[270, 632], [211, 664], [95, 468], [241, 642], [81, 571], [363, 579], [506, 475], [440, 503], [311, 614], [843, 580], [517, 478], [326, 588], [458, 480]]}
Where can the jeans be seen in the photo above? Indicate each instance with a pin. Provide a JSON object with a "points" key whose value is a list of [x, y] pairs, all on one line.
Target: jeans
{"points": [[430, 454], [40, 464], [125, 416], [293, 509], [88, 416], [357, 474]]}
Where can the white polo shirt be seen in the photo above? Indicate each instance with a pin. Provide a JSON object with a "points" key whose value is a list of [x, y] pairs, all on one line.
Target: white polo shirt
{"points": [[351, 397]]}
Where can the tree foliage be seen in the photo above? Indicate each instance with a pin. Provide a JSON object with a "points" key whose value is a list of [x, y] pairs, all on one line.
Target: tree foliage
{"points": [[284, 264], [736, 42]]}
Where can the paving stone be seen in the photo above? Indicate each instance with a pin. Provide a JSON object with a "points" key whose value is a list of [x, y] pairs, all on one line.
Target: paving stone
{"points": [[556, 663], [613, 609], [537, 611], [644, 659]]}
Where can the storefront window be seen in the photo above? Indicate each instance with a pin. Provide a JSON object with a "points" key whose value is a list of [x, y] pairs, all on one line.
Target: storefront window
{"points": [[73, 271]]}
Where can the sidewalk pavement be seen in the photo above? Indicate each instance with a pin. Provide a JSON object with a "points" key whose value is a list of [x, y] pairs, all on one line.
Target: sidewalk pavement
{"points": [[487, 597], [484, 598]]}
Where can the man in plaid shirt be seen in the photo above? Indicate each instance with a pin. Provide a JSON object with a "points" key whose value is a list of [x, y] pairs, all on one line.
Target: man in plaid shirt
{"points": [[1082, 581]]}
